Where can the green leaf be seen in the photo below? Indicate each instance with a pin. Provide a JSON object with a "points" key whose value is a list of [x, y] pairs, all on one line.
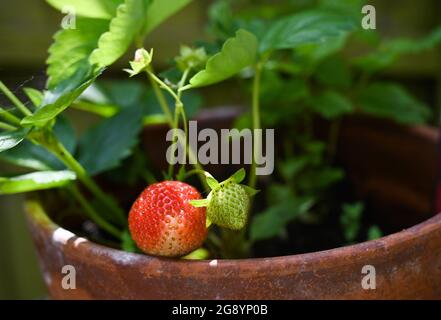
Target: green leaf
{"points": [[10, 139], [309, 55], [160, 10], [307, 27], [287, 92], [222, 24], [236, 54], [71, 49], [349, 7], [273, 220], [36, 181], [391, 50], [319, 178], [350, 220], [388, 100], [123, 93], [101, 9], [115, 95], [334, 72], [32, 156], [124, 27], [49, 111], [103, 147], [34, 95], [331, 104]]}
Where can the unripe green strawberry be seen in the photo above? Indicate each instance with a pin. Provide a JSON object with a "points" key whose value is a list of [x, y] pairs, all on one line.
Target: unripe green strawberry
{"points": [[229, 205]]}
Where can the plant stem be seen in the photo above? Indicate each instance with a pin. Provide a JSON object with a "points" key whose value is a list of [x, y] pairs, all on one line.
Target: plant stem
{"points": [[64, 155], [9, 117], [256, 122], [92, 214], [190, 151], [175, 137], [6, 126], [160, 96], [163, 85], [15, 100], [179, 109]]}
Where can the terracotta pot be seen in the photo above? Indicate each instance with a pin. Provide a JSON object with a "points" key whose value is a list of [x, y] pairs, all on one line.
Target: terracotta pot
{"points": [[397, 175]]}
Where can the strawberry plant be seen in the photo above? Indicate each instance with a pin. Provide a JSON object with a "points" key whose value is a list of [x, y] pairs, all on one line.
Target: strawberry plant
{"points": [[290, 65]]}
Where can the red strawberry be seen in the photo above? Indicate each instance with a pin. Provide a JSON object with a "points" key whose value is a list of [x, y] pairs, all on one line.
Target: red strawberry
{"points": [[162, 221]]}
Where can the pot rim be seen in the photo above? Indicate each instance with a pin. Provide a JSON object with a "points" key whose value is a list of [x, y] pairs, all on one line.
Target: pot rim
{"points": [[361, 251]]}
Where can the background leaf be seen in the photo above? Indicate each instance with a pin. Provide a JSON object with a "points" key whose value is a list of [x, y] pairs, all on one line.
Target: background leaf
{"points": [[333, 72], [36, 181], [307, 27], [237, 53], [221, 20], [388, 100], [101, 9], [160, 10], [374, 232], [124, 27], [104, 146], [331, 104], [350, 220], [111, 96], [273, 220], [391, 50]]}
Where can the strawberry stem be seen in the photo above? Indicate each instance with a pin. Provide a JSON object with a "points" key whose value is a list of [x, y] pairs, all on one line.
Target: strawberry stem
{"points": [[256, 122], [157, 84]]}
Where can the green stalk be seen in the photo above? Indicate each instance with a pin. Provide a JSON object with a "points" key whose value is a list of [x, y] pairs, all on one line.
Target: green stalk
{"points": [[160, 96], [64, 155], [92, 214], [163, 85], [256, 122], [175, 136], [174, 123], [9, 117], [6, 126], [15, 100]]}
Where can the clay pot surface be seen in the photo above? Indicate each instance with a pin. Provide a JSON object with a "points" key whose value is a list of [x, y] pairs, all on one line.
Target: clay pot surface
{"points": [[407, 266]]}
